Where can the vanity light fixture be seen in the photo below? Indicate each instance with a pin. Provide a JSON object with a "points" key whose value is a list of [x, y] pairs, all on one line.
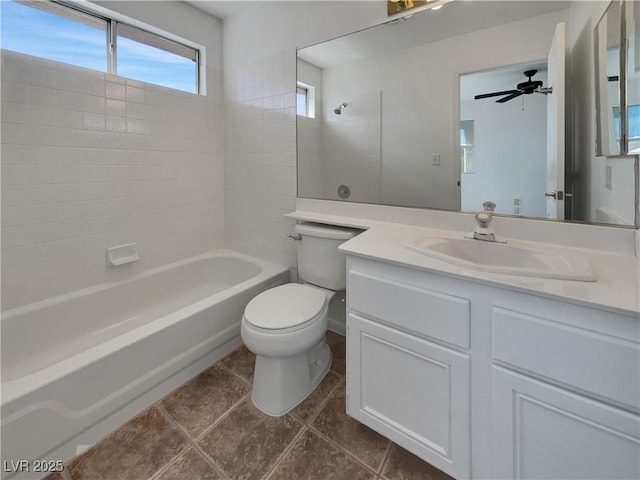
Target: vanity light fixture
{"points": [[399, 6]]}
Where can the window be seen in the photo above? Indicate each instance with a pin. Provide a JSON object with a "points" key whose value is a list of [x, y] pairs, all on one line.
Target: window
{"points": [[49, 30], [301, 101], [305, 100], [93, 39], [466, 146], [633, 129], [153, 59]]}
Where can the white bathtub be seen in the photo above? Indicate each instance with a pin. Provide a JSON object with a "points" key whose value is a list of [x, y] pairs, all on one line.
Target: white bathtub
{"points": [[77, 366]]}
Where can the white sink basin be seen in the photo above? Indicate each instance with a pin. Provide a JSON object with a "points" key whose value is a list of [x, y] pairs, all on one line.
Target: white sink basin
{"points": [[507, 259]]}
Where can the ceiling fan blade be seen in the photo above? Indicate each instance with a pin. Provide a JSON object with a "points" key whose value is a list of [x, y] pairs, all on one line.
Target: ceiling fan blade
{"points": [[510, 97], [495, 94]]}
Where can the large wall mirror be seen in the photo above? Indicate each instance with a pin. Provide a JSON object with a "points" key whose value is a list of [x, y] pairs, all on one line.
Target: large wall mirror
{"points": [[446, 109]]}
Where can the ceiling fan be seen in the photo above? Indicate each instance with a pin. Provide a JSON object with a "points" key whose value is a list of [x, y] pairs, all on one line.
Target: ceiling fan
{"points": [[524, 88]]}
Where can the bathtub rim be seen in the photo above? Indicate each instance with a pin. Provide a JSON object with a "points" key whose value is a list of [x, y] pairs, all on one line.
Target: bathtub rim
{"points": [[15, 389]]}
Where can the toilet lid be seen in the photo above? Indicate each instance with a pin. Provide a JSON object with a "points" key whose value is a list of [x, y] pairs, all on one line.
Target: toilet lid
{"points": [[285, 306]]}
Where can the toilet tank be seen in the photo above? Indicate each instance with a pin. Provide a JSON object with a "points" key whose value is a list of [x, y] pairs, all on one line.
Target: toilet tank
{"points": [[319, 261]]}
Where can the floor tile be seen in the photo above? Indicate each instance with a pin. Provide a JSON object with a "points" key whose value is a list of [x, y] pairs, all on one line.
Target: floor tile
{"points": [[307, 409], [135, 451], [312, 458], [246, 443], [403, 465], [242, 362], [190, 466], [197, 404], [362, 442], [338, 346]]}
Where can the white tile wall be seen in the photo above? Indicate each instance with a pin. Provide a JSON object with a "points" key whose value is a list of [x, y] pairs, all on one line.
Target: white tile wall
{"points": [[91, 160], [260, 157]]}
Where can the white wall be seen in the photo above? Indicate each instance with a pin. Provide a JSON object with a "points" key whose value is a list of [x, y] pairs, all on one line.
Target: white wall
{"points": [[419, 100], [309, 131], [351, 145], [589, 171], [90, 160], [510, 154]]}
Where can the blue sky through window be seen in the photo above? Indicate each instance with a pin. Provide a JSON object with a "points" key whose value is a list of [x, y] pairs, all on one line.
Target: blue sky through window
{"points": [[633, 118], [149, 64], [35, 32]]}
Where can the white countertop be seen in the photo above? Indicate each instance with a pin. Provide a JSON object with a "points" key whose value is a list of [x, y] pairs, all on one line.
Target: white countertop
{"points": [[617, 288]]}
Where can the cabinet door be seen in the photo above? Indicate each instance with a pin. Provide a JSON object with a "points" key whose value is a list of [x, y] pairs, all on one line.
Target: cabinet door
{"points": [[541, 431], [412, 391]]}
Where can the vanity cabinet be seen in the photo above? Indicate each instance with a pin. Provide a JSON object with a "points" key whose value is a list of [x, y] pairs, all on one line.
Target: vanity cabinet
{"points": [[408, 369], [486, 382]]}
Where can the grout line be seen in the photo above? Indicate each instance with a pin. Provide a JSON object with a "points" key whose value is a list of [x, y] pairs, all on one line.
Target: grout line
{"points": [[192, 442], [168, 465], [387, 455], [205, 456], [286, 451], [174, 424], [223, 417], [230, 370], [343, 449], [323, 403]]}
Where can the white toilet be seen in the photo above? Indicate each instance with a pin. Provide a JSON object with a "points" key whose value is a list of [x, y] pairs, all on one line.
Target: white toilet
{"points": [[286, 326]]}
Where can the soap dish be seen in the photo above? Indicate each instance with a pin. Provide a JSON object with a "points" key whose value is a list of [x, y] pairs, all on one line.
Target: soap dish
{"points": [[122, 254]]}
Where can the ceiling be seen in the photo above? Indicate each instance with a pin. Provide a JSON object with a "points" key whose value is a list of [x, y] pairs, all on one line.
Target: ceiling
{"points": [[453, 19], [220, 8]]}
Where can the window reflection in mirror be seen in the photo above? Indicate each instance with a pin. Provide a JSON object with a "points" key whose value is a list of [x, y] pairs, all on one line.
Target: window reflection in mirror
{"points": [[633, 76]]}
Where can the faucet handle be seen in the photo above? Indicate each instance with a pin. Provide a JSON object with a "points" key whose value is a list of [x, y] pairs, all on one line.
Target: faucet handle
{"points": [[489, 206], [483, 219]]}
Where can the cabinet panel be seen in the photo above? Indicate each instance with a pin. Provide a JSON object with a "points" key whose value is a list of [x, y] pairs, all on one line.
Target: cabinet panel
{"points": [[541, 432], [412, 391], [421, 310], [588, 361]]}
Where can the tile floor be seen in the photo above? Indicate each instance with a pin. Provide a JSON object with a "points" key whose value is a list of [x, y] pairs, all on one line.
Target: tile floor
{"points": [[208, 429]]}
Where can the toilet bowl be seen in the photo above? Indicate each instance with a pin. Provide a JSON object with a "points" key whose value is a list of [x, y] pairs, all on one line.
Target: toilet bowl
{"points": [[286, 328]]}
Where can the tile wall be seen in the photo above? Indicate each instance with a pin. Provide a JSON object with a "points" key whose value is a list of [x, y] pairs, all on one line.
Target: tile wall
{"points": [[91, 160], [260, 157]]}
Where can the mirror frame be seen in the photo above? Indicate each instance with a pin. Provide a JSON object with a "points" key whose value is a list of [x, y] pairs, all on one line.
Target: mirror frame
{"points": [[600, 85]]}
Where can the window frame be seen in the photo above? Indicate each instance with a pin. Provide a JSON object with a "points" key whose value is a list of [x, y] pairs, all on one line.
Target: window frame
{"points": [[300, 90], [310, 99], [467, 149], [114, 19]]}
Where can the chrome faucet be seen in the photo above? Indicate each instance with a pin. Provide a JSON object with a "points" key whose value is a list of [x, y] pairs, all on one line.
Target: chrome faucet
{"points": [[484, 230]]}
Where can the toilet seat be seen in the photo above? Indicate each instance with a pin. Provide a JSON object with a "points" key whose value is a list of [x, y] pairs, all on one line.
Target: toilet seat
{"points": [[286, 308]]}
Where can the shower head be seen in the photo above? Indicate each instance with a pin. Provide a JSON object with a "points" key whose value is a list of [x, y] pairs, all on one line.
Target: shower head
{"points": [[338, 110]]}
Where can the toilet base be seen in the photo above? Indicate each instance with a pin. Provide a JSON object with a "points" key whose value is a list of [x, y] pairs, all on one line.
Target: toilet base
{"points": [[280, 384]]}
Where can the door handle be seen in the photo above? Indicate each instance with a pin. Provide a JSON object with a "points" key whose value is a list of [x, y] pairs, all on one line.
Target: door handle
{"points": [[558, 195]]}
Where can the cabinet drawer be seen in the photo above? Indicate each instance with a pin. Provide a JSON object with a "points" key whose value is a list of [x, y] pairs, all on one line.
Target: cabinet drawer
{"points": [[587, 361], [417, 309]]}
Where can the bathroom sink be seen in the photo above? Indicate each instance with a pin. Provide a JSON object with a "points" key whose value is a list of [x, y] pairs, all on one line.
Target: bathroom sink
{"points": [[505, 258]]}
